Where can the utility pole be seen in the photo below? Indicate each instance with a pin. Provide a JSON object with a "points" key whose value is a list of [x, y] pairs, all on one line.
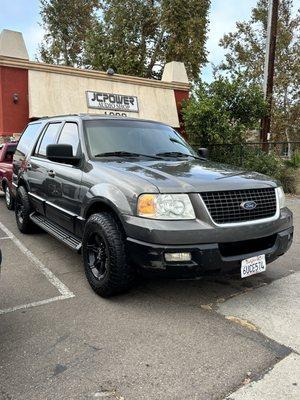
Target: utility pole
{"points": [[269, 68]]}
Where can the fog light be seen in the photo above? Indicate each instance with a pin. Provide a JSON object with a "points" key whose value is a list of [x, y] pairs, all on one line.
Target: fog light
{"points": [[178, 257]]}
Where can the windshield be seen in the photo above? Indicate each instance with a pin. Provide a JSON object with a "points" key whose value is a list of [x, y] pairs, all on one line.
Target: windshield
{"points": [[138, 137]]}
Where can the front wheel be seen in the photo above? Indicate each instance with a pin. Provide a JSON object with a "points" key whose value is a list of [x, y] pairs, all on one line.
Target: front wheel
{"points": [[9, 200], [104, 255]]}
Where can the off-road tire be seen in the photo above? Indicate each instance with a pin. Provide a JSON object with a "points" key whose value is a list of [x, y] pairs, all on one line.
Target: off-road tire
{"points": [[119, 275], [22, 201]]}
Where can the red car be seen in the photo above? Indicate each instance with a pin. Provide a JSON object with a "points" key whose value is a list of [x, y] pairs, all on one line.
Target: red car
{"points": [[6, 157]]}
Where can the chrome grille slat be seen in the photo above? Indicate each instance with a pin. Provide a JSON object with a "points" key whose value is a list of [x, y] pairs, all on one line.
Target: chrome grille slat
{"points": [[225, 206]]}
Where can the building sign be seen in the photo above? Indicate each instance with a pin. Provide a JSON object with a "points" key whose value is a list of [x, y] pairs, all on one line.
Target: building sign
{"points": [[112, 102]]}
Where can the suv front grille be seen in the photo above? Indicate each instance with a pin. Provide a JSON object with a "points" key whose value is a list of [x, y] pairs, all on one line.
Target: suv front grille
{"points": [[225, 207]]}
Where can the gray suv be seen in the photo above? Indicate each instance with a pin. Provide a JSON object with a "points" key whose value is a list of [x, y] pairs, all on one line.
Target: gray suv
{"points": [[132, 194]]}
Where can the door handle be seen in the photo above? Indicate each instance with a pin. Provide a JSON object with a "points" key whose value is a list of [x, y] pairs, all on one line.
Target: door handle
{"points": [[29, 167], [51, 173]]}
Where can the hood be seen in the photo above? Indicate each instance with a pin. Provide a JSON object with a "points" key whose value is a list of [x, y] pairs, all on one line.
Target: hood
{"points": [[192, 175]]}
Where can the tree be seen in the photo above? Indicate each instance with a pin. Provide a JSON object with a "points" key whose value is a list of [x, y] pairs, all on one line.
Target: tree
{"points": [[137, 37], [185, 24], [122, 37], [219, 116], [223, 111], [246, 55], [66, 24]]}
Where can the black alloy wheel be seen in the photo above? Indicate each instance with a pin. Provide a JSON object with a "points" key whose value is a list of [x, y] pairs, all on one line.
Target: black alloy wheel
{"points": [[97, 254]]}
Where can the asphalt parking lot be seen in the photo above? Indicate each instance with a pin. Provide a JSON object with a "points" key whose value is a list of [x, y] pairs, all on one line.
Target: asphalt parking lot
{"points": [[164, 340]]}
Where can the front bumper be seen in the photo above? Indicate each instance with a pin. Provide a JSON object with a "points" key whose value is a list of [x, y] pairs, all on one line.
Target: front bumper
{"points": [[204, 231], [208, 257]]}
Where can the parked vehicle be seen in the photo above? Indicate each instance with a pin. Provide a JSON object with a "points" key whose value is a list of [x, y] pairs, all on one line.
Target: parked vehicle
{"points": [[6, 157], [132, 193]]}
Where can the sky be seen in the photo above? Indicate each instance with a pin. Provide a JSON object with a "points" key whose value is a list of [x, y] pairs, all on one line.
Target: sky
{"points": [[23, 16]]}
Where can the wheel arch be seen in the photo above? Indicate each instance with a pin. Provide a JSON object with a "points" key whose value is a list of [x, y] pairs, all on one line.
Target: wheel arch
{"points": [[103, 205], [22, 182]]}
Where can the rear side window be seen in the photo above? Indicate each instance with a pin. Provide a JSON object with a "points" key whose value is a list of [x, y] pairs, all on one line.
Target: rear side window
{"points": [[49, 137], [27, 140], [69, 135]]}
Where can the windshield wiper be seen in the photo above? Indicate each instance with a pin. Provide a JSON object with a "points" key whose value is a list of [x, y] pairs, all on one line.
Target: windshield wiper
{"points": [[176, 154], [126, 154]]}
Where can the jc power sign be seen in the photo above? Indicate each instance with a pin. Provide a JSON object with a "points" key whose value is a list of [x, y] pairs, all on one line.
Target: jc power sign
{"points": [[112, 102]]}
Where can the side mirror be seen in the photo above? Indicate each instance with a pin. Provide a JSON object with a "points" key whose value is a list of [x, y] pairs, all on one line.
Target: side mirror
{"points": [[61, 153], [203, 152]]}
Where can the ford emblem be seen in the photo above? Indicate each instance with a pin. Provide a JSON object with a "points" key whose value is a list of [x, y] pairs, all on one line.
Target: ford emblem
{"points": [[248, 205]]}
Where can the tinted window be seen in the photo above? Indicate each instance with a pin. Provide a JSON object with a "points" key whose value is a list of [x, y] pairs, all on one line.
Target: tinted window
{"points": [[28, 139], [141, 137], [49, 137], [69, 135]]}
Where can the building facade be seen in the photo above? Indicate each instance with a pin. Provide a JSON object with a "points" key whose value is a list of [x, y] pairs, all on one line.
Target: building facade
{"points": [[30, 90]]}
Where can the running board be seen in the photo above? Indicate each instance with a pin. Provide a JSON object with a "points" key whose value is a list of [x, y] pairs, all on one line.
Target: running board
{"points": [[57, 231]]}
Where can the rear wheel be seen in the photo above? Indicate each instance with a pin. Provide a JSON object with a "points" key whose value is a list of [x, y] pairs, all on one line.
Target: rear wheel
{"points": [[104, 255], [23, 211], [9, 200]]}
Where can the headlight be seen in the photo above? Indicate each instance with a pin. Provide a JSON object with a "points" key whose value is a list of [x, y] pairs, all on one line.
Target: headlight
{"points": [[280, 196], [165, 206]]}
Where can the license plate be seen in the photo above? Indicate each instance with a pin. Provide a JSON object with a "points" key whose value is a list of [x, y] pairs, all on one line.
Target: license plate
{"points": [[253, 265]]}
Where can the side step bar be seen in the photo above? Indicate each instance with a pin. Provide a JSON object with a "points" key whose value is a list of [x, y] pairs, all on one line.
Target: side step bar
{"points": [[57, 231]]}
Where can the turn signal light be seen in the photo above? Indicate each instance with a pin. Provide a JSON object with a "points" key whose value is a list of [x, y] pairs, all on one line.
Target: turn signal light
{"points": [[146, 205]]}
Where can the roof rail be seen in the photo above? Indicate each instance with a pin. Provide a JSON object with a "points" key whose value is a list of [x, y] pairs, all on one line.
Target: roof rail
{"points": [[65, 115], [56, 116]]}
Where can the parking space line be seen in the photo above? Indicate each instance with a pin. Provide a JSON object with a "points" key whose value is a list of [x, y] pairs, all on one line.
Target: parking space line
{"points": [[5, 238], [33, 304], [61, 287]]}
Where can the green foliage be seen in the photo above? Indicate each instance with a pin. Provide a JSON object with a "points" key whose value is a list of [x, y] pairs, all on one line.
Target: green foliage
{"points": [[251, 158], [223, 111], [245, 58], [294, 162], [134, 37], [126, 37], [185, 26], [288, 180], [271, 165], [66, 24], [218, 117], [255, 159]]}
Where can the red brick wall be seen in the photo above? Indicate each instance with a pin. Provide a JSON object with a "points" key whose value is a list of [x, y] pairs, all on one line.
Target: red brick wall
{"points": [[13, 116], [181, 95]]}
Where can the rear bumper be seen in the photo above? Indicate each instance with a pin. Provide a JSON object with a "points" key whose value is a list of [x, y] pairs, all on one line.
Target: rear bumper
{"points": [[207, 257]]}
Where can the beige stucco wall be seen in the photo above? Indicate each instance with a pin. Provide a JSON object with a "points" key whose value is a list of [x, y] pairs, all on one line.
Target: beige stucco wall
{"points": [[56, 93]]}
